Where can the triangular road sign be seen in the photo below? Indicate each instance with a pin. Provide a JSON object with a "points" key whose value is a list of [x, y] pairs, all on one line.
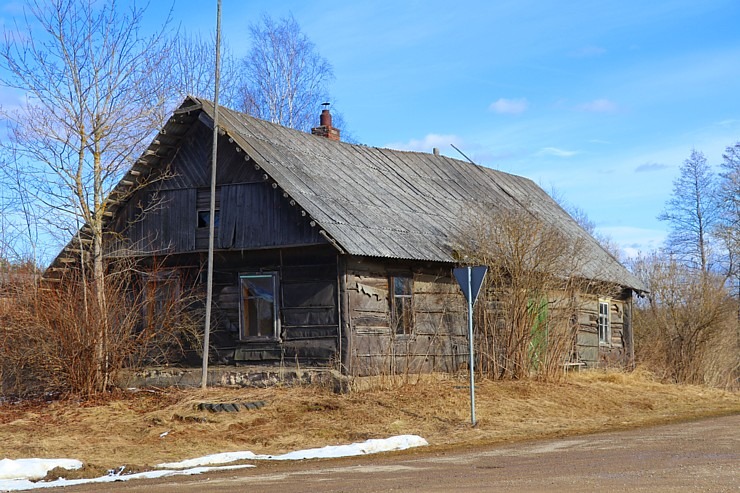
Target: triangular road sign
{"points": [[477, 274]]}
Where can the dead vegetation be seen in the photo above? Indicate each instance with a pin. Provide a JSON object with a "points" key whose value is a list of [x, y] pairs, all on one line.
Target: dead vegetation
{"points": [[526, 316], [688, 330], [142, 428], [50, 336]]}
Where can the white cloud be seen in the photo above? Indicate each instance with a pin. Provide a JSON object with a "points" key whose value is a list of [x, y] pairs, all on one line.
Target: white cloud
{"points": [[427, 143], [646, 167], [727, 123], [598, 106], [509, 106], [555, 151]]}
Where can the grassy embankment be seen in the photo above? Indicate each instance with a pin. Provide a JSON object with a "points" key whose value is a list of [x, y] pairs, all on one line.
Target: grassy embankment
{"points": [[126, 429]]}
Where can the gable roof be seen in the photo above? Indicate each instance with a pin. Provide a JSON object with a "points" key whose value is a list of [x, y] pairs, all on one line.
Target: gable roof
{"points": [[386, 203]]}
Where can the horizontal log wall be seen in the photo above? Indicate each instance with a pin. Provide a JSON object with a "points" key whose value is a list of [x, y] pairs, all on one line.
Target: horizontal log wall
{"points": [[589, 349], [437, 341], [308, 315]]}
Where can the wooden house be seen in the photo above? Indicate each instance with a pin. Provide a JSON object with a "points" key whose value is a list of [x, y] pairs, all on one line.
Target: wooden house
{"points": [[328, 253]]}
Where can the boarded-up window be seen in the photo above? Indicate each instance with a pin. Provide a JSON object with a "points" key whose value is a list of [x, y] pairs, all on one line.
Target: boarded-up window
{"points": [[259, 305], [402, 314], [604, 327]]}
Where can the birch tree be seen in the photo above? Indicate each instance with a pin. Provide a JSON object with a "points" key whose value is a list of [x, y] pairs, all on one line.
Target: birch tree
{"points": [[85, 68], [285, 79]]}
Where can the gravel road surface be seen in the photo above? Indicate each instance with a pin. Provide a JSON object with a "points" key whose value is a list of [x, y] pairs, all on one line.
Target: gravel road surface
{"points": [[693, 456]]}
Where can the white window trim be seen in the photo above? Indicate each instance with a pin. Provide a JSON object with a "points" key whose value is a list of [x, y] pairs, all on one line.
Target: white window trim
{"points": [[607, 341]]}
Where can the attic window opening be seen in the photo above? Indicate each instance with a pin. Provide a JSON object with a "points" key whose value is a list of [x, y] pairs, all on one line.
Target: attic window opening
{"points": [[204, 218], [402, 314]]}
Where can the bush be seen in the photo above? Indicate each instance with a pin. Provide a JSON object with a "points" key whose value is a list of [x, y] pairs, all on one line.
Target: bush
{"points": [[53, 339], [687, 326], [526, 314]]}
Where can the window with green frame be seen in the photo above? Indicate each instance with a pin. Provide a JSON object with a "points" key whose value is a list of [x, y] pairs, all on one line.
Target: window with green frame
{"points": [[538, 310]]}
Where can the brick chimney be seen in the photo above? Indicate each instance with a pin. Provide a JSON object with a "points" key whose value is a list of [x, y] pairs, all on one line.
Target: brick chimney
{"points": [[325, 129]]}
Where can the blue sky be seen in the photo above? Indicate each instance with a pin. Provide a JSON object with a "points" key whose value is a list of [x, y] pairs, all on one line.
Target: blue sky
{"points": [[601, 101]]}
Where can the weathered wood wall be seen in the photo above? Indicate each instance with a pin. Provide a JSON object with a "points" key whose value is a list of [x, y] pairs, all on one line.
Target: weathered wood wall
{"points": [[437, 341], [618, 352], [308, 332], [252, 214]]}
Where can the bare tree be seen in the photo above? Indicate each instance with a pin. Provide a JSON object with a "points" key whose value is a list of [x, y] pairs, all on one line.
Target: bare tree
{"points": [[85, 69], [581, 217], [285, 79], [693, 213], [729, 228], [191, 70]]}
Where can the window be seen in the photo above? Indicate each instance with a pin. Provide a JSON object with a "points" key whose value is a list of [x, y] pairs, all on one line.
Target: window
{"points": [[161, 298], [605, 335], [259, 305], [402, 314], [204, 218]]}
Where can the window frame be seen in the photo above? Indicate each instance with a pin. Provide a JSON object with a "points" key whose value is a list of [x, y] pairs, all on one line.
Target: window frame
{"points": [[401, 324], [603, 324], [244, 334]]}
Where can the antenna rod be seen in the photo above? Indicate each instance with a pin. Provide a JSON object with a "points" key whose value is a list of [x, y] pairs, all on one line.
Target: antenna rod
{"points": [[463, 154]]}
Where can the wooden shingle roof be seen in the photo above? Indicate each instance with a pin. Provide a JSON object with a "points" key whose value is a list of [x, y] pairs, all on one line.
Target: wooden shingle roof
{"points": [[395, 204], [370, 201]]}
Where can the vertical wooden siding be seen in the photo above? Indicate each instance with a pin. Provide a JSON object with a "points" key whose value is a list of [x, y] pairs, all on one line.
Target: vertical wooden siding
{"points": [[253, 214]]}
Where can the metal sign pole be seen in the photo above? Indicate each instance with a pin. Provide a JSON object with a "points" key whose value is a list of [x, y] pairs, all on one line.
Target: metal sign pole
{"points": [[470, 346], [470, 279]]}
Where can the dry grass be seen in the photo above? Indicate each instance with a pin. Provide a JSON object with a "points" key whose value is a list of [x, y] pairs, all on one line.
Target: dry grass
{"points": [[125, 430]]}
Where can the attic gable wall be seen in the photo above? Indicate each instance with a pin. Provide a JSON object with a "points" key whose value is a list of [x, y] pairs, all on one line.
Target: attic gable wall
{"points": [[253, 214], [191, 167]]}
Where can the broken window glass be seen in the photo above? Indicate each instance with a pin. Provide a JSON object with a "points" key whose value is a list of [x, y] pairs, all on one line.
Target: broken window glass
{"points": [[258, 305]]}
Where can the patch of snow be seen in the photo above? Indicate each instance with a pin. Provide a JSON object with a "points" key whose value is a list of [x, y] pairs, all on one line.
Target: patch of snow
{"points": [[373, 446], [33, 468], [222, 458], [24, 484], [16, 475]]}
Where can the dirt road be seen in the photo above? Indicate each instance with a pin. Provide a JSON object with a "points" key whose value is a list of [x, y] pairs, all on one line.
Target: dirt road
{"points": [[695, 456]]}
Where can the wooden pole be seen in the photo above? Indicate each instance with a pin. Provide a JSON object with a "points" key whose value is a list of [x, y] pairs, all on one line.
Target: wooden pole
{"points": [[212, 217]]}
